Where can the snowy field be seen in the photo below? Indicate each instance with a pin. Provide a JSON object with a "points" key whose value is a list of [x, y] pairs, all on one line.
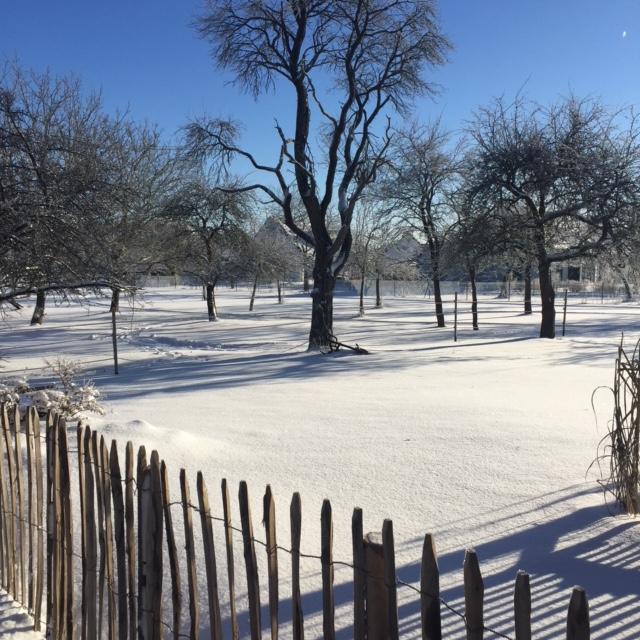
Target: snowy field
{"points": [[485, 442]]}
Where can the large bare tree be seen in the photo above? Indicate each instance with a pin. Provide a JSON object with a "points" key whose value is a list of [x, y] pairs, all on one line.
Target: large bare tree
{"points": [[566, 174], [351, 64]]}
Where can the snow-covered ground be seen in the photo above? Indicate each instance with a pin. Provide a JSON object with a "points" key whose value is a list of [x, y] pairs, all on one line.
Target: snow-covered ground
{"points": [[484, 442]]}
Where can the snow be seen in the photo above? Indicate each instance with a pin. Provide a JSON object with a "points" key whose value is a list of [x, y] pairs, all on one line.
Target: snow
{"points": [[485, 442]]}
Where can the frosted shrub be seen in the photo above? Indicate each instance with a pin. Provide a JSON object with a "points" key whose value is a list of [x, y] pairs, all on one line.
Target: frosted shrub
{"points": [[68, 396]]}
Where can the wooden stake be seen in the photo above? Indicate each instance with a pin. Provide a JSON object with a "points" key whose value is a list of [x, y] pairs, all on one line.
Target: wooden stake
{"points": [[194, 606], [119, 532], [296, 530], [430, 591], [114, 341], [326, 553], [251, 564], [89, 526], [269, 521], [455, 317], [359, 576], [578, 627], [473, 596], [176, 593], [215, 622], [228, 535], [130, 539], [522, 606], [390, 577]]}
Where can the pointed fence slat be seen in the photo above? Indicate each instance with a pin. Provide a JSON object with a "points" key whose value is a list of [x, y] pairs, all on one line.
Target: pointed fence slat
{"points": [[14, 572], [359, 575], [174, 567], [522, 606], [326, 553], [430, 591], [473, 596], [228, 537], [39, 479], [150, 523], [192, 576], [83, 531], [5, 515], [119, 533], [89, 526], [390, 578], [253, 585], [97, 463], [141, 467], [130, 539], [215, 622], [17, 437], [269, 521], [108, 538], [31, 504], [67, 531], [578, 627], [295, 513]]}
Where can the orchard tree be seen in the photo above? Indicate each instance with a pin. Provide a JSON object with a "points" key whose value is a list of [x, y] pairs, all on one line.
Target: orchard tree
{"points": [[211, 218], [570, 169], [55, 146], [351, 65], [422, 174]]}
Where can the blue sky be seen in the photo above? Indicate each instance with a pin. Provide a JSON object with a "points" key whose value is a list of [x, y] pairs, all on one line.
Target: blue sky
{"points": [[144, 55]]}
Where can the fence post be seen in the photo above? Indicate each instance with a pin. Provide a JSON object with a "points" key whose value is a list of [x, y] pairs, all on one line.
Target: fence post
{"points": [[37, 607], [131, 538], [114, 341], [150, 552], [269, 521], [430, 591], [89, 526], [455, 317], [176, 594], [295, 513], [326, 553], [473, 596], [215, 623], [564, 313], [578, 627], [522, 606], [377, 599], [194, 607], [228, 537], [359, 576], [389, 554], [253, 586], [118, 523]]}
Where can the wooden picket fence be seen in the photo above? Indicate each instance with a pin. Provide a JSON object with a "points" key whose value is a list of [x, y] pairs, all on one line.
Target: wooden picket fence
{"points": [[112, 586]]}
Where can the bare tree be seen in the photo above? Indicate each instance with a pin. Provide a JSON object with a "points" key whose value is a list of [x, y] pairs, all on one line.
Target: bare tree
{"points": [[212, 219], [423, 173], [571, 169], [371, 55]]}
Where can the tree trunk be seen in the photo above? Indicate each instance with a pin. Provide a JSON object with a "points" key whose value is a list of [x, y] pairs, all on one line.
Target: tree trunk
{"points": [[474, 298], [115, 300], [253, 293], [211, 303], [527, 290], [38, 312], [279, 285], [548, 296], [305, 280], [378, 296], [324, 282], [362, 293]]}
